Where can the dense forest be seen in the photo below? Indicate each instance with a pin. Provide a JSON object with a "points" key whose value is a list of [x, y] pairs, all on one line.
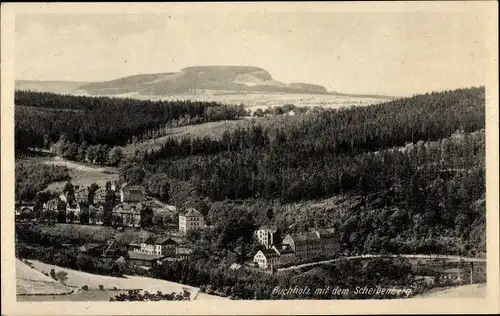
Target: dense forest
{"points": [[32, 177], [415, 166], [41, 118]]}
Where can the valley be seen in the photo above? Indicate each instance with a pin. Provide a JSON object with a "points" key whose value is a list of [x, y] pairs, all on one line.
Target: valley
{"points": [[367, 181]]}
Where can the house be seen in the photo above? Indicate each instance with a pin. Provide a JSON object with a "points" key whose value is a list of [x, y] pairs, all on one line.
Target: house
{"points": [[129, 214], [100, 195], [51, 205], [267, 235], [73, 207], [266, 258], [285, 252], [92, 249], [313, 244], [235, 266], [305, 245], [183, 252], [114, 249], [424, 279], [191, 220], [162, 246], [109, 249], [132, 194], [330, 245], [143, 259], [96, 213], [452, 275], [82, 195]]}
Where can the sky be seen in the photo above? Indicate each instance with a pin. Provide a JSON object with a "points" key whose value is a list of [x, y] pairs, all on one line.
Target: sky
{"points": [[381, 53]]}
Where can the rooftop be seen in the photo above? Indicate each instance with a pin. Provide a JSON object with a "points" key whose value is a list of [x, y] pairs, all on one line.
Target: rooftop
{"points": [[269, 253], [142, 256], [284, 249], [305, 237], [192, 212], [128, 207], [160, 240], [273, 229]]}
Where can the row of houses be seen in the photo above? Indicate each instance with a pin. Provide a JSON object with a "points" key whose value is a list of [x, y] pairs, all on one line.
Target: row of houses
{"points": [[126, 210], [315, 243], [143, 252]]}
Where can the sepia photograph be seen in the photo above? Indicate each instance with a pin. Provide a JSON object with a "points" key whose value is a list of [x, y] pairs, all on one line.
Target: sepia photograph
{"points": [[339, 153]]}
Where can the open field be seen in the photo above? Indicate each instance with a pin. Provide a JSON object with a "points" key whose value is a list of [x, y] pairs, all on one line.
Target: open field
{"points": [[30, 281], [256, 99], [82, 175], [211, 129], [77, 279]]}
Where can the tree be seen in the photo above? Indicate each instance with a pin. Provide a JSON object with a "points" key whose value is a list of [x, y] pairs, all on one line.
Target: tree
{"points": [[70, 216], [115, 156], [69, 188], [259, 113], [47, 142], [71, 151], [91, 192], [82, 151], [116, 220], [146, 217], [85, 215], [61, 276], [134, 175], [91, 153], [61, 146]]}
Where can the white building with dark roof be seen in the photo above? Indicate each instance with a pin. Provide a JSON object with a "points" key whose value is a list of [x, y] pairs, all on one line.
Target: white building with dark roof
{"points": [[162, 246], [267, 235], [191, 220], [129, 213], [267, 258]]}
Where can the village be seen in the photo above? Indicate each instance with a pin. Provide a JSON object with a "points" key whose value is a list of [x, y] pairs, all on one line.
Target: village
{"points": [[124, 207]]}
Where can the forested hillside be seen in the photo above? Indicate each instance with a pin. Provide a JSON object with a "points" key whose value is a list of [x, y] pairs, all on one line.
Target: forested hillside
{"points": [[407, 176], [415, 166], [41, 118], [410, 173]]}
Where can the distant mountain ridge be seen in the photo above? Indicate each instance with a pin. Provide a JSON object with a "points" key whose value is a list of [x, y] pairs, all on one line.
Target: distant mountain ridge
{"points": [[226, 78], [189, 81]]}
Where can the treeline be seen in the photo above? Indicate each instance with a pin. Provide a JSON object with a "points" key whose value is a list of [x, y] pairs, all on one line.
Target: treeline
{"points": [[33, 176], [135, 295], [247, 284], [84, 152], [314, 157], [42, 117], [416, 164]]}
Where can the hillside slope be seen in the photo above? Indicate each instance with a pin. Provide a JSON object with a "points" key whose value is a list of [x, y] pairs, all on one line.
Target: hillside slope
{"points": [[48, 86], [30, 281], [232, 78]]}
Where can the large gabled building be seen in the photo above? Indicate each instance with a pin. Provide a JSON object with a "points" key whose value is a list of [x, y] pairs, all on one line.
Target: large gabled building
{"points": [[267, 235], [129, 214], [267, 258], [191, 220], [313, 244], [132, 194]]}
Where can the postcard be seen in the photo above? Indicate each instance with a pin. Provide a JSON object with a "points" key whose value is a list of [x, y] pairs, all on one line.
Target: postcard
{"points": [[249, 158]]}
